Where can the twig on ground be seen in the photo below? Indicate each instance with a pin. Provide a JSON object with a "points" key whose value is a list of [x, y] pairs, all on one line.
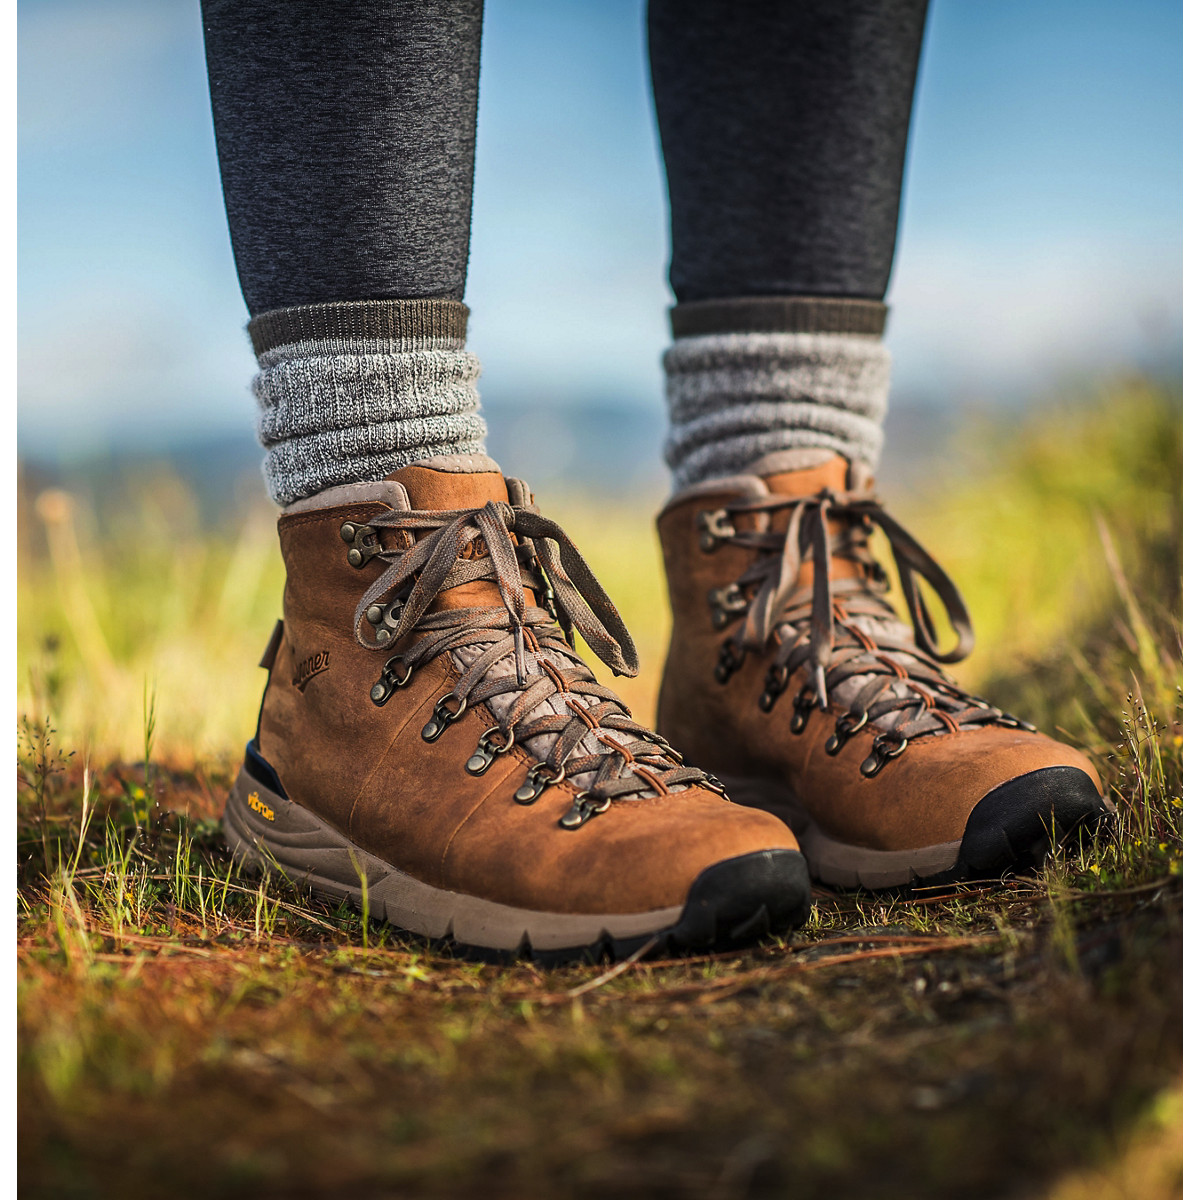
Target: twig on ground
{"points": [[612, 973]]}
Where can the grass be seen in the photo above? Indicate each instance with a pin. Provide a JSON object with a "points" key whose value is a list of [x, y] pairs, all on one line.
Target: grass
{"points": [[187, 1030]]}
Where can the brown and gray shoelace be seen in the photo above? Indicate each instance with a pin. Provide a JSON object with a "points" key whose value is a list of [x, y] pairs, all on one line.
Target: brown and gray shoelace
{"points": [[517, 653], [841, 638]]}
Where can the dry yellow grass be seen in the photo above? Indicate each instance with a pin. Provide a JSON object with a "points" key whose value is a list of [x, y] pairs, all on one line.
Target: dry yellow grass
{"points": [[152, 597]]}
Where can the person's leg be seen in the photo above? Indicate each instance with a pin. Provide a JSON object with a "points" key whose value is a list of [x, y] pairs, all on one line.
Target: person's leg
{"points": [[346, 138], [426, 719], [783, 131]]}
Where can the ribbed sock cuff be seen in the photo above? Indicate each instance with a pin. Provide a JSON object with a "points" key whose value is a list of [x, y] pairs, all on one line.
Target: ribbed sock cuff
{"points": [[779, 314], [735, 396], [433, 324], [350, 392]]}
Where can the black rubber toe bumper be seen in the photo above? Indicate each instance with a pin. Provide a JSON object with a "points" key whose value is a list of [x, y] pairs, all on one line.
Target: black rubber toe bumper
{"points": [[733, 903], [743, 900], [1015, 824]]}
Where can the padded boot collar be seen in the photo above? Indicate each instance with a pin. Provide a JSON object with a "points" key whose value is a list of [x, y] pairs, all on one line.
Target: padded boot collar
{"points": [[789, 472], [391, 491]]}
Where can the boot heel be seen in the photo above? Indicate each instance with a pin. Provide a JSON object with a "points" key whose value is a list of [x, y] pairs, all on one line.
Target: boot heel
{"points": [[252, 814]]}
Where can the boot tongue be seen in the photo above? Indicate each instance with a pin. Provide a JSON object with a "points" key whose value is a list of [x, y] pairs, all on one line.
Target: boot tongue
{"points": [[833, 474], [804, 477], [442, 490], [438, 489]]}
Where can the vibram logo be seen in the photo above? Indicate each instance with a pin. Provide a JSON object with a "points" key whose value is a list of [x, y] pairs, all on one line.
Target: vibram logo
{"points": [[264, 810], [308, 667]]}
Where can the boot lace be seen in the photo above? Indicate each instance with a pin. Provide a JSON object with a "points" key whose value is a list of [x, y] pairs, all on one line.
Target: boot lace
{"points": [[515, 656], [842, 639]]}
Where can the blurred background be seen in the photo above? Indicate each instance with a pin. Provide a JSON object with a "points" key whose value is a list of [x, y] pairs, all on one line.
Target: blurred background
{"points": [[1036, 299]]}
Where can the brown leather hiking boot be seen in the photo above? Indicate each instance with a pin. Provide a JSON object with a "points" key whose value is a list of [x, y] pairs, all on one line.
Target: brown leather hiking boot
{"points": [[793, 679], [428, 727]]}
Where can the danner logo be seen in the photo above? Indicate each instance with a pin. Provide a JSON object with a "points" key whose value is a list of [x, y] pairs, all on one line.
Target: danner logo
{"points": [[308, 667], [264, 810]]}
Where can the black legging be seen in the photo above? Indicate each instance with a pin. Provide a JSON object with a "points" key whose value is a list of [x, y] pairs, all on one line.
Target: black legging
{"points": [[346, 136]]}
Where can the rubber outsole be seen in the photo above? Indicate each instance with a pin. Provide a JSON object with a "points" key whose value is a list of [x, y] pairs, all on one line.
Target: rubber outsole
{"points": [[1012, 828], [732, 903]]}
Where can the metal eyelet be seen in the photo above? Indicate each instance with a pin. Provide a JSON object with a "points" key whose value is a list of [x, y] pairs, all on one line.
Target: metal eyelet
{"points": [[713, 784], [843, 729], [726, 603], [385, 617], [363, 542], [583, 808], [882, 749], [537, 781], [442, 717], [802, 709], [487, 751], [774, 687], [715, 528], [389, 682], [731, 658]]}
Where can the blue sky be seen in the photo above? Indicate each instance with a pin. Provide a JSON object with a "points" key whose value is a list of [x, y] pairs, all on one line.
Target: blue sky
{"points": [[1040, 239]]}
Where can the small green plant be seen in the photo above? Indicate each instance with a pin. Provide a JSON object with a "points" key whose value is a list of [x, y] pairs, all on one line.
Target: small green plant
{"points": [[365, 900], [39, 761], [149, 724]]}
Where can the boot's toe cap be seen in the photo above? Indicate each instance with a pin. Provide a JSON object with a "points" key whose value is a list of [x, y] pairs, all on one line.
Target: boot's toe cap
{"points": [[739, 873], [1019, 820], [689, 834], [932, 791], [745, 898]]}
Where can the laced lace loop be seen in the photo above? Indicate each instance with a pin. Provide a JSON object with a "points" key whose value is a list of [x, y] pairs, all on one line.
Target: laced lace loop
{"points": [[521, 550], [435, 565], [808, 537], [826, 632]]}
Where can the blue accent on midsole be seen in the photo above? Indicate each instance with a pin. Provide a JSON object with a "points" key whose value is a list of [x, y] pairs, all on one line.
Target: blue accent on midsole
{"points": [[260, 769]]}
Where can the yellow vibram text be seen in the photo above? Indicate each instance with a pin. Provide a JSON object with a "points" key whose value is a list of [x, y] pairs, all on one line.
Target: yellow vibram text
{"points": [[264, 810]]}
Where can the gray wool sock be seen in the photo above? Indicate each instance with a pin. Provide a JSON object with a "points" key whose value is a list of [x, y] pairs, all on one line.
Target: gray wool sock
{"points": [[749, 376], [349, 392]]}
